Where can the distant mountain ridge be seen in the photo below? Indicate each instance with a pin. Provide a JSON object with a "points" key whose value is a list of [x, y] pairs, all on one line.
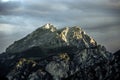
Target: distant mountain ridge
{"points": [[59, 54]]}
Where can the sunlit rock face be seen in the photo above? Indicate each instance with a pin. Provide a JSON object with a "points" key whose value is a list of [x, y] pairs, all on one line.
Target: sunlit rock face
{"points": [[48, 36], [59, 54]]}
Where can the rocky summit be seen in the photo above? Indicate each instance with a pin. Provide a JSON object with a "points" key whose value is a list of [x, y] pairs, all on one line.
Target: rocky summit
{"points": [[49, 37], [49, 53]]}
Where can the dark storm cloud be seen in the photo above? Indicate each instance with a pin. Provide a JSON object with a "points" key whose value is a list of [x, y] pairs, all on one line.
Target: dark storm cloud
{"points": [[89, 6], [6, 7], [63, 9], [47, 7], [104, 26]]}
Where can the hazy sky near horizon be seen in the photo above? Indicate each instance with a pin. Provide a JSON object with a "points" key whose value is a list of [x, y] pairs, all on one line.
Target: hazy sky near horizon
{"points": [[99, 18]]}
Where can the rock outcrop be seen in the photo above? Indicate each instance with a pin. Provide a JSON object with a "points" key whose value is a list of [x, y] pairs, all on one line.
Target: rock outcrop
{"points": [[63, 54]]}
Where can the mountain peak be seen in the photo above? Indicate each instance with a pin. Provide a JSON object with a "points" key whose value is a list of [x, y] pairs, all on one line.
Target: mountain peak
{"points": [[64, 54], [49, 37], [50, 27]]}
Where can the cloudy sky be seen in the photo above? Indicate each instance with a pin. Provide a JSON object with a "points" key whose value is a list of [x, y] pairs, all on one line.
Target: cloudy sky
{"points": [[99, 18]]}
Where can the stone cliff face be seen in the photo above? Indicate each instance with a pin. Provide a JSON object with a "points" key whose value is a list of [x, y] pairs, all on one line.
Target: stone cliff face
{"points": [[63, 54]]}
